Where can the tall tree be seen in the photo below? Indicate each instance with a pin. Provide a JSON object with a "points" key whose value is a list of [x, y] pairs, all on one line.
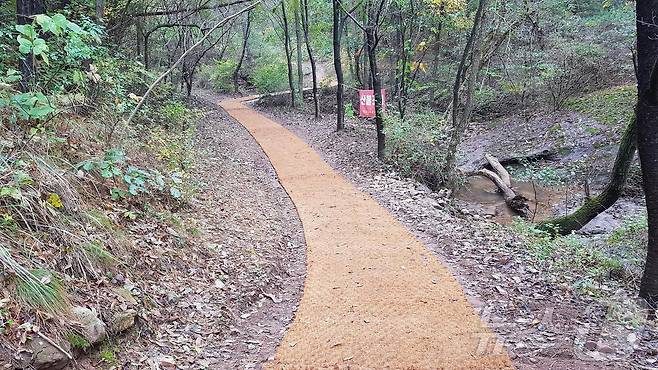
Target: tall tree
{"points": [[647, 122], [300, 59], [245, 43], [374, 10], [286, 41], [338, 66], [462, 110], [311, 57]]}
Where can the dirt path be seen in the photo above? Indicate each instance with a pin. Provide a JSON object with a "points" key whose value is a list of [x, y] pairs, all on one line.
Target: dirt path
{"points": [[374, 296]]}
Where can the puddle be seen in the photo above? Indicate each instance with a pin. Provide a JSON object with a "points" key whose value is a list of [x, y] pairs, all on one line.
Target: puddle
{"points": [[480, 194]]}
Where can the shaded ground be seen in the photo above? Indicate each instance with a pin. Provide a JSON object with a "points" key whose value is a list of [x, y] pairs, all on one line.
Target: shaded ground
{"points": [[373, 298], [545, 323], [225, 300]]}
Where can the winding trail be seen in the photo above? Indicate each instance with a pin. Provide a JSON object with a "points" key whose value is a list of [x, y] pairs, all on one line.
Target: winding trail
{"points": [[374, 296]]}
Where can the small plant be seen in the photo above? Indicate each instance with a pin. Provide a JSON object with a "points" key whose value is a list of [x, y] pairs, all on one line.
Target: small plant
{"points": [[415, 146], [349, 110], [221, 75], [41, 289], [97, 251], [108, 354], [78, 342]]}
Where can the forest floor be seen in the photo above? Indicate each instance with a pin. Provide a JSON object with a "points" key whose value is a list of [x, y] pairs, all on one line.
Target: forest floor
{"points": [[226, 299], [543, 320]]}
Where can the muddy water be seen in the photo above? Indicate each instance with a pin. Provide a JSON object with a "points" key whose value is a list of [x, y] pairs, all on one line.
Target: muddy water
{"points": [[480, 194]]}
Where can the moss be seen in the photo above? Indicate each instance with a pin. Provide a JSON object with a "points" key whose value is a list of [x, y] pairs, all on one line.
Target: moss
{"points": [[611, 106]]}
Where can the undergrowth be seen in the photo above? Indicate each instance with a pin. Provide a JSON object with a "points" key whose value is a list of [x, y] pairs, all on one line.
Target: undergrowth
{"points": [[73, 175], [416, 146], [611, 106], [591, 266]]}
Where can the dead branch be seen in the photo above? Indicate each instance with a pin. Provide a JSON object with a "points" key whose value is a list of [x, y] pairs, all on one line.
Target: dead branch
{"points": [[502, 172]]}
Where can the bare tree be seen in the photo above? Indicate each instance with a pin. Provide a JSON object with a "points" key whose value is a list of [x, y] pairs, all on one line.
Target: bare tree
{"points": [[311, 58], [461, 112], [245, 43]]}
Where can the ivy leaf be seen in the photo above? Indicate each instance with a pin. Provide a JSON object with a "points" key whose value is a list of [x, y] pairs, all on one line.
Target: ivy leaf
{"points": [[60, 21], [48, 25], [106, 173]]}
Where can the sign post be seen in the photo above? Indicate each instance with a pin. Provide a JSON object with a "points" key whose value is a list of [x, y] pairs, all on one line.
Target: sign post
{"points": [[367, 103]]}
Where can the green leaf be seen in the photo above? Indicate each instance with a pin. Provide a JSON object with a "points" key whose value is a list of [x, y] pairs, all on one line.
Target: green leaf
{"points": [[175, 192], [106, 173], [60, 21], [39, 46], [26, 30], [48, 25], [24, 45], [11, 191], [75, 28], [88, 166]]}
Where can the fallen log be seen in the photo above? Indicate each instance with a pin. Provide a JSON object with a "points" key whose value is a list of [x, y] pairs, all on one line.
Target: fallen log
{"points": [[500, 170], [518, 203]]}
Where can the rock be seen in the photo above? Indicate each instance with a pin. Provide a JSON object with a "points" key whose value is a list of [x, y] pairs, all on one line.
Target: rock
{"points": [[167, 363], [93, 328], [590, 345], [603, 348], [42, 355], [601, 224], [123, 321], [125, 296]]}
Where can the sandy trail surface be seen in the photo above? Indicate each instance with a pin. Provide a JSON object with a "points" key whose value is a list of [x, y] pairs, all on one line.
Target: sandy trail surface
{"points": [[374, 296]]}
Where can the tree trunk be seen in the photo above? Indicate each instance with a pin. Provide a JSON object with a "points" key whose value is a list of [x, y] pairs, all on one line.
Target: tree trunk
{"points": [[377, 86], [25, 9], [460, 118], [647, 122], [300, 60], [286, 40], [340, 101], [309, 49], [100, 10], [594, 206], [236, 73]]}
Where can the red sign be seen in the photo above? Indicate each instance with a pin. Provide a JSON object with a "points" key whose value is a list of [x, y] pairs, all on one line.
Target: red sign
{"points": [[367, 103]]}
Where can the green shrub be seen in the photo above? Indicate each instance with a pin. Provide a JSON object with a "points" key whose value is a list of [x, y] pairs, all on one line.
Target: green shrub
{"points": [[221, 75], [270, 77], [415, 146]]}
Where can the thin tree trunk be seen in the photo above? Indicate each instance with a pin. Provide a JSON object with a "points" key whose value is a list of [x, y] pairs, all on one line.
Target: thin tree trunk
{"points": [[377, 86], [340, 101], [300, 60], [245, 42], [647, 122], [100, 10], [594, 206], [286, 40], [25, 9], [311, 58], [460, 119]]}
